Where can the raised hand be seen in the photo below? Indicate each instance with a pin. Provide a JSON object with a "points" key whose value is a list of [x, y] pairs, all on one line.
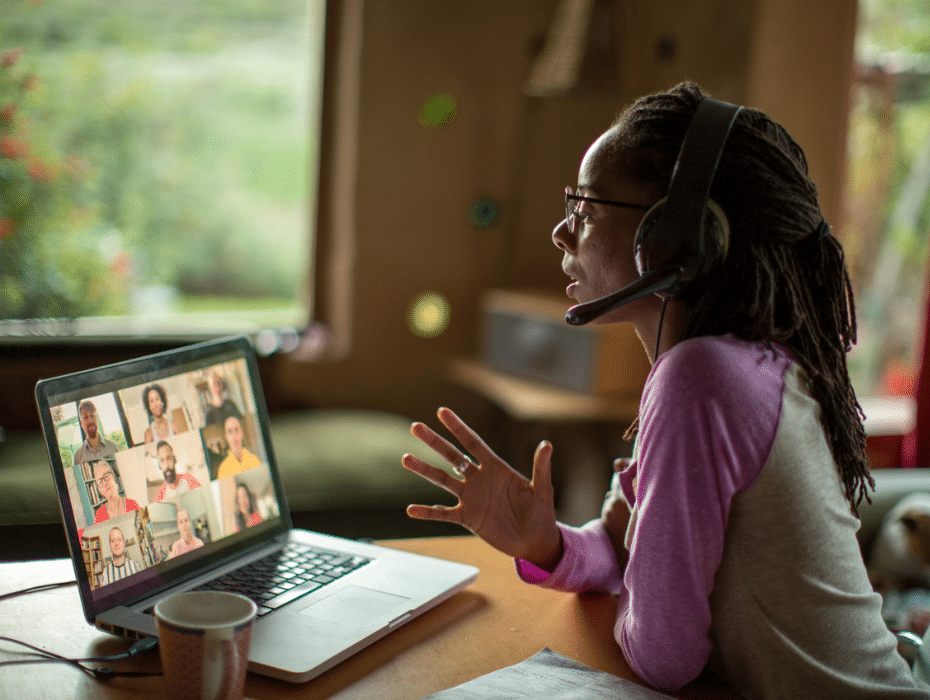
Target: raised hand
{"points": [[497, 503]]}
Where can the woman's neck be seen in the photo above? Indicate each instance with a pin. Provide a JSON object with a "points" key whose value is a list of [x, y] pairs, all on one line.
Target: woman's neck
{"points": [[670, 325]]}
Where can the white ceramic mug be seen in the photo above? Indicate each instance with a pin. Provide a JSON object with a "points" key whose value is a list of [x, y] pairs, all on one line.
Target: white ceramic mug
{"points": [[203, 640]]}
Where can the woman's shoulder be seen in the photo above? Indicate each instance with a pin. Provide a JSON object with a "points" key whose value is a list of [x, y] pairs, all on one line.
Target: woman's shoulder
{"points": [[721, 356], [731, 369]]}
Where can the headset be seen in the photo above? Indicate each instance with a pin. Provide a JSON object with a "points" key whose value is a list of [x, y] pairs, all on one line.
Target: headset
{"points": [[685, 234]]}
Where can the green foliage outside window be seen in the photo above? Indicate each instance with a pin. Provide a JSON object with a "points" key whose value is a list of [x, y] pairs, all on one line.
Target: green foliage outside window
{"points": [[887, 217], [152, 145]]}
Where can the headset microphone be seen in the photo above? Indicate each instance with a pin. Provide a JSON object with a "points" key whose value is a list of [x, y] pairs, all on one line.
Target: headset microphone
{"points": [[650, 283]]}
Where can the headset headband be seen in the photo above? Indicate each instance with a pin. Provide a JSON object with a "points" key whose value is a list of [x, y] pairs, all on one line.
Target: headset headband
{"points": [[682, 215]]}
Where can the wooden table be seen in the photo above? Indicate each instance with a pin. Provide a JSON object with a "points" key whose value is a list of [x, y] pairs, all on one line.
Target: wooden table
{"points": [[496, 622]]}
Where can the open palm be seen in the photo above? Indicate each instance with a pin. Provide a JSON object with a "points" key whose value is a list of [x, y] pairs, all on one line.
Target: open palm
{"points": [[512, 513]]}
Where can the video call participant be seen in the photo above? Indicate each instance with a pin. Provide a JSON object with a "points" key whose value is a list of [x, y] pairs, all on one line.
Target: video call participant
{"points": [[107, 486], [247, 513], [175, 483], [96, 445], [187, 542], [155, 402], [221, 405], [239, 458], [730, 537], [121, 565]]}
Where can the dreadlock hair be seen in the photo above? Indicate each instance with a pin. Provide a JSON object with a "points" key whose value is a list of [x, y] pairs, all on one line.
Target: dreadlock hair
{"points": [[786, 277]]}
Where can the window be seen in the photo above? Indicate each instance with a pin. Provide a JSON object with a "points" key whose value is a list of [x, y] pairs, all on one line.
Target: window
{"points": [[887, 218], [157, 165]]}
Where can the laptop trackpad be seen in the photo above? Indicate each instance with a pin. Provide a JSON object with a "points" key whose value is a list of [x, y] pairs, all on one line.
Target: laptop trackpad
{"points": [[355, 605]]}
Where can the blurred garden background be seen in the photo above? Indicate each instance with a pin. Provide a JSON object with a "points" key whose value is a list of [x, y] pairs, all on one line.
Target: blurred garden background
{"points": [[156, 158], [886, 220]]}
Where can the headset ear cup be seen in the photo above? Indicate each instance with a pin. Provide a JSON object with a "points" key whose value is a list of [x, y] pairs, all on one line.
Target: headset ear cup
{"points": [[644, 235], [715, 233], [713, 238]]}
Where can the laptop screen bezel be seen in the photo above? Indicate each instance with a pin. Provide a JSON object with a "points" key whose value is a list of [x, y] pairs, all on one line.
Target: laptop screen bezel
{"points": [[142, 370]]}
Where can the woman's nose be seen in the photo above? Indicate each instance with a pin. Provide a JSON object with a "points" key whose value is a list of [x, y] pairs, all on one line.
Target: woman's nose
{"points": [[562, 237]]}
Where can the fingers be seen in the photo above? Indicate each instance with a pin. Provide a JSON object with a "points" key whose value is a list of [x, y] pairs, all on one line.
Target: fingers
{"points": [[440, 445], [621, 464], [433, 474], [445, 514], [542, 468], [470, 440]]}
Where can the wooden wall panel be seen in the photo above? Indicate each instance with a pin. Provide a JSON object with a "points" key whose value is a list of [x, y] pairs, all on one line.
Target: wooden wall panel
{"points": [[414, 186]]}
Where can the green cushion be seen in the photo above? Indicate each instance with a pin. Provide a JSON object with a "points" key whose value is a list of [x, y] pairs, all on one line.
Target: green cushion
{"points": [[26, 481]]}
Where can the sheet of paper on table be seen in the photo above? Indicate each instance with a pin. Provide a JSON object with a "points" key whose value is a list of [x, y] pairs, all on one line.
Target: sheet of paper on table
{"points": [[548, 674]]}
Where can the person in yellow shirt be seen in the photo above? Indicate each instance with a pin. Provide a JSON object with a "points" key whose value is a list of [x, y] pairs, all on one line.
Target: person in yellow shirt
{"points": [[239, 458]]}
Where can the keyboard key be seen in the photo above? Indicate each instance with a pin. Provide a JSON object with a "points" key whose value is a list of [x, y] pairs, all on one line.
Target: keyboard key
{"points": [[279, 578], [292, 595]]}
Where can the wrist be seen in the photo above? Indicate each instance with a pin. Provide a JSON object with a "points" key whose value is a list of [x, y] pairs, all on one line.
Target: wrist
{"points": [[548, 553]]}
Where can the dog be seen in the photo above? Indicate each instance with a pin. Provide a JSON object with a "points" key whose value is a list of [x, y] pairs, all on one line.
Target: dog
{"points": [[899, 564], [900, 556]]}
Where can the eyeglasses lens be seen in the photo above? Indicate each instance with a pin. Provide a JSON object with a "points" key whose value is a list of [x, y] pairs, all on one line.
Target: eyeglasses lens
{"points": [[570, 206]]}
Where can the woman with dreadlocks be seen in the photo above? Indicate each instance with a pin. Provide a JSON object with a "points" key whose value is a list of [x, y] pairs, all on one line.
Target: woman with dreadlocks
{"points": [[730, 536]]}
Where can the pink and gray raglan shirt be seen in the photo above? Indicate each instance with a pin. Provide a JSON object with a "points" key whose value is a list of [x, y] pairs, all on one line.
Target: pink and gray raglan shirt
{"points": [[742, 548]]}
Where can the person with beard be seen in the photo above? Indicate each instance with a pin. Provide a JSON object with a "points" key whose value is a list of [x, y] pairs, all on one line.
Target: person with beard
{"points": [[96, 445], [175, 483]]}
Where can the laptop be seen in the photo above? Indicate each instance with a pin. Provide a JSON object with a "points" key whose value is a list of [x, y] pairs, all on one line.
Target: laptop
{"points": [[167, 482]]}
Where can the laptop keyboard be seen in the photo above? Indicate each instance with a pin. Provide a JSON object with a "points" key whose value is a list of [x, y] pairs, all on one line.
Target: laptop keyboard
{"points": [[284, 576]]}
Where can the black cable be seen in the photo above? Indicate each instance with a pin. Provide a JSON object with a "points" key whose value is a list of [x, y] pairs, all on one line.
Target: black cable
{"points": [[142, 646], [36, 589], [655, 357]]}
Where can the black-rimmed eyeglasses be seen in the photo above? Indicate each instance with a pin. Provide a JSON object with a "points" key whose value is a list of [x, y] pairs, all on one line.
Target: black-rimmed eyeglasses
{"points": [[571, 206]]}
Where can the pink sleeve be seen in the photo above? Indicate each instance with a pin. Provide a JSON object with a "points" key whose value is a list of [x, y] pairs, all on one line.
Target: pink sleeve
{"points": [[588, 564], [707, 422]]}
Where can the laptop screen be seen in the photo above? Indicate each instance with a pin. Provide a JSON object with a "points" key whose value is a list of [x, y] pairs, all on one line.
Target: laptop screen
{"points": [[163, 466]]}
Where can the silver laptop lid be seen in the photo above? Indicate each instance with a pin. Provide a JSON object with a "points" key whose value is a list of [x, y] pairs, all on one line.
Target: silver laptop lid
{"points": [[163, 466]]}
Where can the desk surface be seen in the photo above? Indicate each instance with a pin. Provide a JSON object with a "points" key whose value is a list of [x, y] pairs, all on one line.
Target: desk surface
{"points": [[496, 622]]}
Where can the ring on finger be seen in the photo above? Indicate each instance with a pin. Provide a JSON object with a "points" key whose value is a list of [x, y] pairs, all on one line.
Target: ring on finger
{"points": [[462, 467]]}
